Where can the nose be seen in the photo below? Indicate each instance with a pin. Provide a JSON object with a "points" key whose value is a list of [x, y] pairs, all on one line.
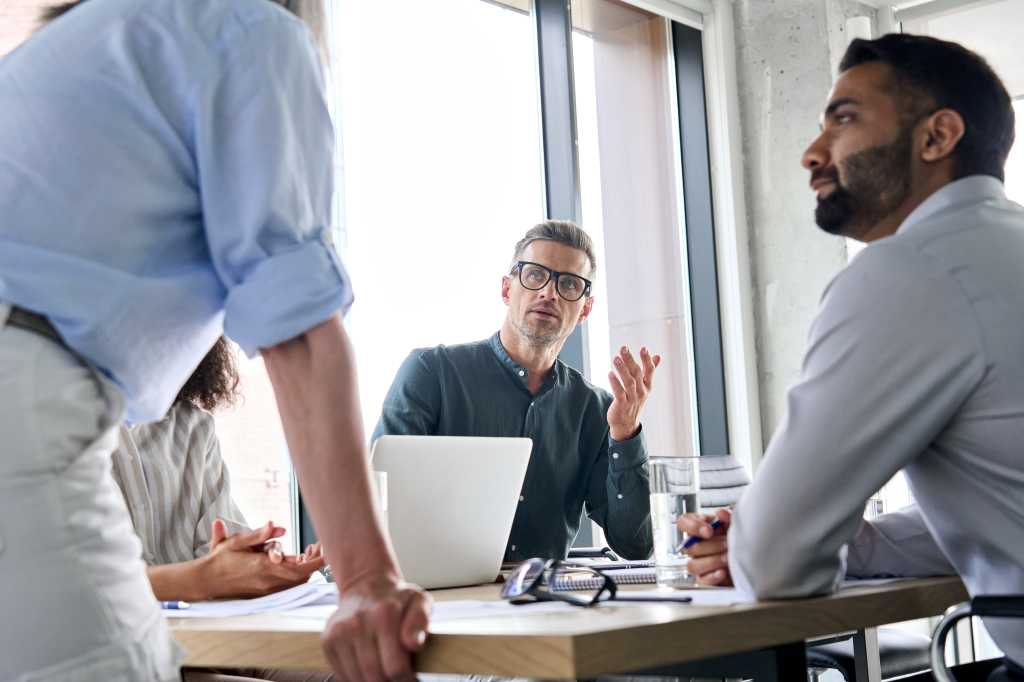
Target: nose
{"points": [[549, 290], [816, 155]]}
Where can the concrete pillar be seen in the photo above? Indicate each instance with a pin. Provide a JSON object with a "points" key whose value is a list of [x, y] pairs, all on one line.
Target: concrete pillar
{"points": [[786, 56]]}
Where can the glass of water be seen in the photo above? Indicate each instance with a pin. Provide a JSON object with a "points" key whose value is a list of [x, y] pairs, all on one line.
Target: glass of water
{"points": [[675, 484]]}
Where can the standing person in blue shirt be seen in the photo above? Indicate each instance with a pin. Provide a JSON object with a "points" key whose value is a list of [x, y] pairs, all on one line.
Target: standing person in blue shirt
{"points": [[166, 175], [916, 358], [588, 449]]}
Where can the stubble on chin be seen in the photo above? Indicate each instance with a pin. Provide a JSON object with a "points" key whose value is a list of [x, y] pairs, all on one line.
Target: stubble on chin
{"points": [[536, 337]]}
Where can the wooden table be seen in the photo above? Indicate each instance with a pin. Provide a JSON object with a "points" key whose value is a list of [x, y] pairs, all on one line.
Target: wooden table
{"points": [[585, 643]]}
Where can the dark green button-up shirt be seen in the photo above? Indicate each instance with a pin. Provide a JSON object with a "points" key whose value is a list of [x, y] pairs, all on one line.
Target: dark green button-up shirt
{"points": [[476, 389]]}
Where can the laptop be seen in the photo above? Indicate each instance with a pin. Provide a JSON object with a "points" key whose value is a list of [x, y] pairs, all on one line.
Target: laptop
{"points": [[450, 504]]}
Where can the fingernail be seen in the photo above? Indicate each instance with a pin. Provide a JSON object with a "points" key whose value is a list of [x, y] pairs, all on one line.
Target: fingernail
{"points": [[421, 637]]}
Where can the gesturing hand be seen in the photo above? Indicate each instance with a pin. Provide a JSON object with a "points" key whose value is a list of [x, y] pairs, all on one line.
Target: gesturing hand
{"points": [[379, 623], [631, 384], [709, 558], [244, 565]]}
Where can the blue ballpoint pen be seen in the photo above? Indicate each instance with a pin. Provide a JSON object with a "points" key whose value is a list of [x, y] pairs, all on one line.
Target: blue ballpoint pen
{"points": [[175, 605], [694, 539]]}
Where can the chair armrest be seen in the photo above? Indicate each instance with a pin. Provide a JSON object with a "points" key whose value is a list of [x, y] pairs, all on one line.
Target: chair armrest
{"points": [[998, 606]]}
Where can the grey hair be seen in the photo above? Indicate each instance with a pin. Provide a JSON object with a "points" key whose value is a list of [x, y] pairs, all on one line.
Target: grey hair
{"points": [[561, 231]]}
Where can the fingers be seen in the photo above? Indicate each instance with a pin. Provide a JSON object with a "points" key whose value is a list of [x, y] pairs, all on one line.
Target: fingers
{"points": [[255, 539], [629, 372], [415, 618], [696, 524], [618, 392], [719, 578], [650, 363], [394, 656], [218, 533], [368, 658], [337, 647], [713, 547]]}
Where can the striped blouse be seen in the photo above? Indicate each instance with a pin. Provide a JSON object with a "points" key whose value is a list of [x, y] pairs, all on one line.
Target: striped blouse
{"points": [[175, 484]]}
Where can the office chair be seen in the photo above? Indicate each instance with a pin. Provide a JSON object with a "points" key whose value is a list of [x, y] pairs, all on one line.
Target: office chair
{"points": [[722, 481], [991, 606]]}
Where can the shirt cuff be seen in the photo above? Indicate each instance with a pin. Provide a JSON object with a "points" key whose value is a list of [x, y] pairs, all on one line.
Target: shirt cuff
{"points": [[627, 454], [286, 295]]}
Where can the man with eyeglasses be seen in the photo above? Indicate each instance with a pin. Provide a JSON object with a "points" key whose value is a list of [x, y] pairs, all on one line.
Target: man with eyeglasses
{"points": [[588, 449]]}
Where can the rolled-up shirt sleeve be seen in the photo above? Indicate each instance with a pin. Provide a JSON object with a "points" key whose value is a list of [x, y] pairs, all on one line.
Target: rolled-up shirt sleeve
{"points": [[264, 151]]}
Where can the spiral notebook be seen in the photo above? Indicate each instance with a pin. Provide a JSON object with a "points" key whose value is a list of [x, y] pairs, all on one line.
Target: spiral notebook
{"points": [[567, 582]]}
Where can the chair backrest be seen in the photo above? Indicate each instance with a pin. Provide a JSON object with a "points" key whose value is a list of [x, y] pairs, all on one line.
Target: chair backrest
{"points": [[722, 480]]}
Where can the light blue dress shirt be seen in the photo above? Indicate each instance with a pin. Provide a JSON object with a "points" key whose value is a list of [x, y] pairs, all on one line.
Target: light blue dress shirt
{"points": [[166, 174]]}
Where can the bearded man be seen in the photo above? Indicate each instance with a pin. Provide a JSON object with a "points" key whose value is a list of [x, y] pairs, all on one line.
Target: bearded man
{"points": [[588, 449], [916, 358]]}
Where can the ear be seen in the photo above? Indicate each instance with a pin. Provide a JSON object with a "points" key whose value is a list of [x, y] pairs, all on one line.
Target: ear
{"points": [[943, 131], [506, 282], [585, 313]]}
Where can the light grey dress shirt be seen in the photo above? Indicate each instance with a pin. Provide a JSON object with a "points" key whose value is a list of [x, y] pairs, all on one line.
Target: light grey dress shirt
{"points": [[915, 362], [175, 484]]}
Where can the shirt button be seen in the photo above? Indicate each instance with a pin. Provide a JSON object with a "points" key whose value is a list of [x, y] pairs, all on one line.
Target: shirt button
{"points": [[619, 496], [522, 372], [522, 498], [513, 548], [615, 455]]}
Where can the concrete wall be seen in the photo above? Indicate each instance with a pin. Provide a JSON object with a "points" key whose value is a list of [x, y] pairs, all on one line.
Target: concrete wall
{"points": [[786, 56]]}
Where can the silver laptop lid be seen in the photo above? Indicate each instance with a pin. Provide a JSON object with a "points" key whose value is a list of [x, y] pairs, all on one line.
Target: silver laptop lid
{"points": [[450, 504]]}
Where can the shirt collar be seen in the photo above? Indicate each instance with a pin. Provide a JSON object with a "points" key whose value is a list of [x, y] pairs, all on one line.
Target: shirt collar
{"points": [[972, 189], [520, 373]]}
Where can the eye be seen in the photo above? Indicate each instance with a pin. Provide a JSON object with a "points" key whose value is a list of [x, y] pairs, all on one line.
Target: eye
{"points": [[535, 275]]}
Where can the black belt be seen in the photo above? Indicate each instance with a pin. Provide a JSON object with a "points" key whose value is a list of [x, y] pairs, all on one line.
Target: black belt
{"points": [[33, 322]]}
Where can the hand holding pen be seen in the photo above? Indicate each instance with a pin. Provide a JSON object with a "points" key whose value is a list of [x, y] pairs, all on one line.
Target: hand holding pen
{"points": [[707, 547]]}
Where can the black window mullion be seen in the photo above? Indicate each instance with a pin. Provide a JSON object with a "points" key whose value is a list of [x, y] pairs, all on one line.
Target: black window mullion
{"points": [[709, 368], [558, 126]]}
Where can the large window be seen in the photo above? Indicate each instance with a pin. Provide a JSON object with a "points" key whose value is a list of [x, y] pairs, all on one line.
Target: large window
{"points": [[442, 171], [630, 198], [457, 131]]}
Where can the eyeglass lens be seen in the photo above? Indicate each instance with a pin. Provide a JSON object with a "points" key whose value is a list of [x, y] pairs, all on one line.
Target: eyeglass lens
{"points": [[535, 277], [525, 576]]}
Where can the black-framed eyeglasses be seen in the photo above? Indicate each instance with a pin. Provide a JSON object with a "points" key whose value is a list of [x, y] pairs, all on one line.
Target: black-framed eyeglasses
{"points": [[534, 276], [536, 580], [540, 580]]}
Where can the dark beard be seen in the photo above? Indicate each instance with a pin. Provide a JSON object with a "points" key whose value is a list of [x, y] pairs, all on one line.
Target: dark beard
{"points": [[877, 181]]}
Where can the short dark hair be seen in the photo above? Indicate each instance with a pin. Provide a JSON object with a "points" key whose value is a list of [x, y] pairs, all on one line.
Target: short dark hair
{"points": [[214, 383], [561, 231], [937, 74]]}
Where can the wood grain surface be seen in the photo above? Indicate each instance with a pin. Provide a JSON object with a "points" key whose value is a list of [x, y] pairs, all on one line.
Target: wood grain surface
{"points": [[579, 643]]}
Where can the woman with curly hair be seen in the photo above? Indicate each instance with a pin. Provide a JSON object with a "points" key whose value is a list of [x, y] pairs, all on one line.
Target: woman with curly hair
{"points": [[195, 541]]}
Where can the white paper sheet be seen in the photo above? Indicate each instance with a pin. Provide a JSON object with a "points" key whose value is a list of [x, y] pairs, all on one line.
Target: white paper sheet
{"points": [[301, 595]]}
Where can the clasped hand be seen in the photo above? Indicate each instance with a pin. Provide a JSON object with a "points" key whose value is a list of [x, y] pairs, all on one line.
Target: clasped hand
{"points": [[251, 563]]}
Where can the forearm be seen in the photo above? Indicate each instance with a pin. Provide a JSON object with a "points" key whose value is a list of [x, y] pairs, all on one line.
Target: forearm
{"points": [[896, 544], [178, 582], [314, 379], [626, 518]]}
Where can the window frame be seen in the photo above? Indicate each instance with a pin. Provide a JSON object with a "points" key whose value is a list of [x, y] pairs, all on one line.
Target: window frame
{"points": [[723, 362]]}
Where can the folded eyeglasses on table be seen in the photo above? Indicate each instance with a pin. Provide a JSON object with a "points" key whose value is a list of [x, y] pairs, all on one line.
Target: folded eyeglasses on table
{"points": [[538, 580]]}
